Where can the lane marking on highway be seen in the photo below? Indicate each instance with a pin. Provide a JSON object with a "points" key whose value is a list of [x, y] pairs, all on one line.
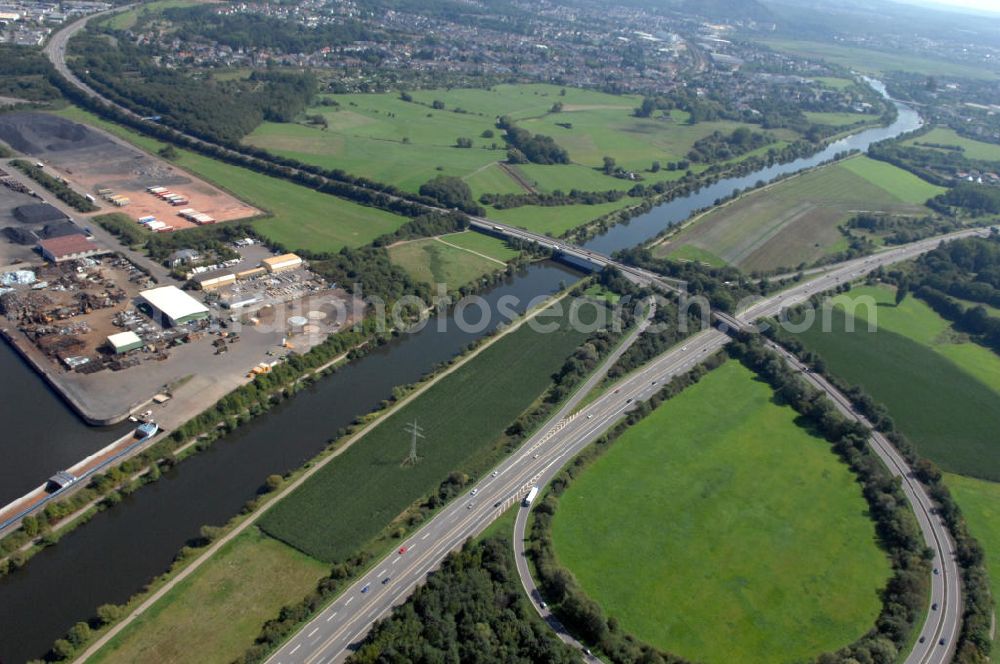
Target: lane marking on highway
{"points": [[332, 616], [295, 649], [471, 518], [394, 561], [425, 536], [383, 571], [349, 600], [309, 635]]}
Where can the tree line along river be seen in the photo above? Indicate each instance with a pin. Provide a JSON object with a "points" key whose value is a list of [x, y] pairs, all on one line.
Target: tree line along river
{"points": [[121, 549]]}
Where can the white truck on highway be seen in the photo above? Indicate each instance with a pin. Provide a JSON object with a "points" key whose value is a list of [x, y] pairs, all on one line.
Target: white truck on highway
{"points": [[531, 496]]}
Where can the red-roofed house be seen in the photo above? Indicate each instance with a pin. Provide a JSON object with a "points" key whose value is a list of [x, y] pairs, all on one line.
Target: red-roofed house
{"points": [[69, 247]]}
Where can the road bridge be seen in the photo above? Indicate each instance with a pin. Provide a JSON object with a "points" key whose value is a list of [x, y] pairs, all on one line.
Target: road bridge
{"points": [[579, 256]]}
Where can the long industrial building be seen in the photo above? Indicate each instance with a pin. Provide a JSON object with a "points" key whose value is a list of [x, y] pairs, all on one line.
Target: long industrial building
{"points": [[281, 263], [173, 305]]}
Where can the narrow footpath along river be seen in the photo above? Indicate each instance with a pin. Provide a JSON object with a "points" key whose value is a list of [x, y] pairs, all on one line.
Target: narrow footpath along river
{"points": [[115, 554]]}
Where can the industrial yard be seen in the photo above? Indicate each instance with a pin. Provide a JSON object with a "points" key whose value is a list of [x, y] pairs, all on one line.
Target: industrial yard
{"points": [[118, 175], [110, 339], [108, 328]]}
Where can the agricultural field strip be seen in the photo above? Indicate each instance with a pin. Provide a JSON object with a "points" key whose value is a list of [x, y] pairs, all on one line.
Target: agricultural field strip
{"points": [[774, 211], [971, 148], [942, 395], [486, 395], [196, 608], [235, 532]]}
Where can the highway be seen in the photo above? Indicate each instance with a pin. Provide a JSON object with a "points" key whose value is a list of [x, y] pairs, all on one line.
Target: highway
{"points": [[328, 636], [331, 634], [945, 622]]}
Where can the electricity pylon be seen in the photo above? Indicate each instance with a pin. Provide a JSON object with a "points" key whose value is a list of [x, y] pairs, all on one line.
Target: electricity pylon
{"points": [[415, 430]]}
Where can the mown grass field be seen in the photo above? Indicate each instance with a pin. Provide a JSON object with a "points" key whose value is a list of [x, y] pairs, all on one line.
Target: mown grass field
{"points": [[719, 530], [436, 261], [220, 607], [559, 219], [492, 179], [483, 244], [351, 500], [839, 119], [971, 148], [572, 176], [300, 218], [895, 181], [796, 221], [980, 503], [942, 391], [876, 62]]}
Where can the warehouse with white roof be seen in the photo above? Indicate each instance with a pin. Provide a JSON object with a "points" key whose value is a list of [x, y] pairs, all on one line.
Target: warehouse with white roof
{"points": [[123, 342], [172, 305]]}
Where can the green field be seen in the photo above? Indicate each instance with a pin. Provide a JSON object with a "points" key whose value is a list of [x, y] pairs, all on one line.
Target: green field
{"points": [[972, 149], [572, 176], [942, 392], [839, 119], [351, 500], [220, 607], [719, 530], [980, 503], [898, 183], [634, 142], [876, 62], [382, 137], [300, 217], [385, 138], [835, 83], [442, 261], [127, 19], [693, 253], [558, 219], [482, 244], [492, 179], [796, 221]]}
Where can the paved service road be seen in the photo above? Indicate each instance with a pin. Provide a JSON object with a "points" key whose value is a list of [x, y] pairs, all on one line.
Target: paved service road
{"points": [[330, 635]]}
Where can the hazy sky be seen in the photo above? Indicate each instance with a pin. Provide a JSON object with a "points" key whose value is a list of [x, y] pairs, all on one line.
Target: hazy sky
{"points": [[990, 5]]}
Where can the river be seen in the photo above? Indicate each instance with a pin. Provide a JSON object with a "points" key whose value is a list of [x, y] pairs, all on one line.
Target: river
{"points": [[41, 434], [114, 555], [647, 226]]}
